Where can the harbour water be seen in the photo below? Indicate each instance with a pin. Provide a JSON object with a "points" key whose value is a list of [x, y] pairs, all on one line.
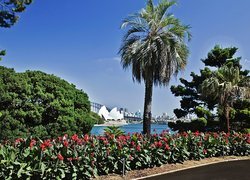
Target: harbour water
{"points": [[132, 128]]}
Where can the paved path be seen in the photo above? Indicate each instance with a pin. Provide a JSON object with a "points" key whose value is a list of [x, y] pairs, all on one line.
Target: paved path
{"points": [[232, 170]]}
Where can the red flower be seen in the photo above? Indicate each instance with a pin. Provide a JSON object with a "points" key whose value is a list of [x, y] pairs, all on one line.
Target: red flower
{"points": [[248, 140], [17, 141], [32, 143], [133, 143], [66, 143], [128, 137], [185, 134], [74, 137], [165, 139], [197, 133], [159, 144], [138, 148], [86, 138], [60, 157], [45, 144], [216, 135], [167, 147]]}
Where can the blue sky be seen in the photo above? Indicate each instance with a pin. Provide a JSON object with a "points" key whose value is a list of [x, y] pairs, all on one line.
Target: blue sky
{"points": [[79, 40]]}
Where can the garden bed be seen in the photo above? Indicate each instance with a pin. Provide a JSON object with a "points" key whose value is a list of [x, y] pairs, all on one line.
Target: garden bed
{"points": [[84, 157]]}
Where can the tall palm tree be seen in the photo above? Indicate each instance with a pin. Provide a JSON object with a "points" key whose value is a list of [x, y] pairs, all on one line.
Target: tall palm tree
{"points": [[226, 86], [154, 47]]}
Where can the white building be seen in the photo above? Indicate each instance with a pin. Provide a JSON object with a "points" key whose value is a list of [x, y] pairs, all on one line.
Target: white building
{"points": [[114, 114]]}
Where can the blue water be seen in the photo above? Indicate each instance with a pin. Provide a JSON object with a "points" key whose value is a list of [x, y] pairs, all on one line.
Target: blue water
{"points": [[132, 128]]}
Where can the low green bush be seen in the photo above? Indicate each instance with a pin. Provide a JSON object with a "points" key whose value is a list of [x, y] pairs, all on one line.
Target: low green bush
{"points": [[88, 156]]}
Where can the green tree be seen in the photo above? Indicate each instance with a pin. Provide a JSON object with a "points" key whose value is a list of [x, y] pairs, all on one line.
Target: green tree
{"points": [[35, 103], [192, 101], [226, 86], [9, 10], [154, 47]]}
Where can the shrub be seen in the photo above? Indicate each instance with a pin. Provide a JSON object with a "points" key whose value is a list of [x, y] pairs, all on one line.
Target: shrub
{"points": [[87, 156], [42, 105], [196, 124]]}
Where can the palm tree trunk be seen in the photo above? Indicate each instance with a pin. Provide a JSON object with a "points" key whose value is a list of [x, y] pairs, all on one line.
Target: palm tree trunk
{"points": [[147, 115], [227, 116]]}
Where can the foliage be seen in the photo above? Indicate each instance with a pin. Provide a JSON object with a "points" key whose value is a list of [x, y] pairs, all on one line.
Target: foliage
{"points": [[87, 156], [35, 103], [9, 10], [154, 48], [199, 123], [96, 118], [193, 102], [226, 86], [115, 130], [2, 53]]}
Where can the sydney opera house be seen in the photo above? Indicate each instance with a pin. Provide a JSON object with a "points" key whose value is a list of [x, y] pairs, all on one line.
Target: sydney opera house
{"points": [[114, 114]]}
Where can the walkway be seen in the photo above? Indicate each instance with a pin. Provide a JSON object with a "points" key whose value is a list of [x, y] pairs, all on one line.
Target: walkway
{"points": [[232, 170]]}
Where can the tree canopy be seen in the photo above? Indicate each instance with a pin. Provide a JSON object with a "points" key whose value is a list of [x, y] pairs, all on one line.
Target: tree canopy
{"points": [[42, 105], [209, 114], [154, 48], [9, 10], [226, 86]]}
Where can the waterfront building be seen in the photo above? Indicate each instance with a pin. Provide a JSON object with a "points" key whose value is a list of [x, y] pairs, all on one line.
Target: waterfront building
{"points": [[114, 114]]}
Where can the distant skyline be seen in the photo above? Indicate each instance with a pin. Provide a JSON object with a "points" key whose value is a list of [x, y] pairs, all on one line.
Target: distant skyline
{"points": [[79, 42]]}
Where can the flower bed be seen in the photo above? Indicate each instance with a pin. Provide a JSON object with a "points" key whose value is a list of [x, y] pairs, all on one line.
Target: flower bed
{"points": [[84, 157]]}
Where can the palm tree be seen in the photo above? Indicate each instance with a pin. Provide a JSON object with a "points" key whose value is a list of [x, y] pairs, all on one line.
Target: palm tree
{"points": [[154, 48], [226, 86]]}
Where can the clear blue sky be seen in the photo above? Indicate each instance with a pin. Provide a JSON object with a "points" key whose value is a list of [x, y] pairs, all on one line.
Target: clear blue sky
{"points": [[78, 40]]}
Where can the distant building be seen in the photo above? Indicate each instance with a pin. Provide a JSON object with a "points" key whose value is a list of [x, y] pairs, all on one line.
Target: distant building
{"points": [[114, 114]]}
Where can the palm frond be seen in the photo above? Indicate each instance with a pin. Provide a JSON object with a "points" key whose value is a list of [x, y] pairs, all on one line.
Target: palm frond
{"points": [[162, 7]]}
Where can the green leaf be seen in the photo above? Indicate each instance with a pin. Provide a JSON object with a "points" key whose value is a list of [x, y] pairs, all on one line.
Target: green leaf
{"points": [[26, 152], [62, 173], [138, 164], [43, 166]]}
